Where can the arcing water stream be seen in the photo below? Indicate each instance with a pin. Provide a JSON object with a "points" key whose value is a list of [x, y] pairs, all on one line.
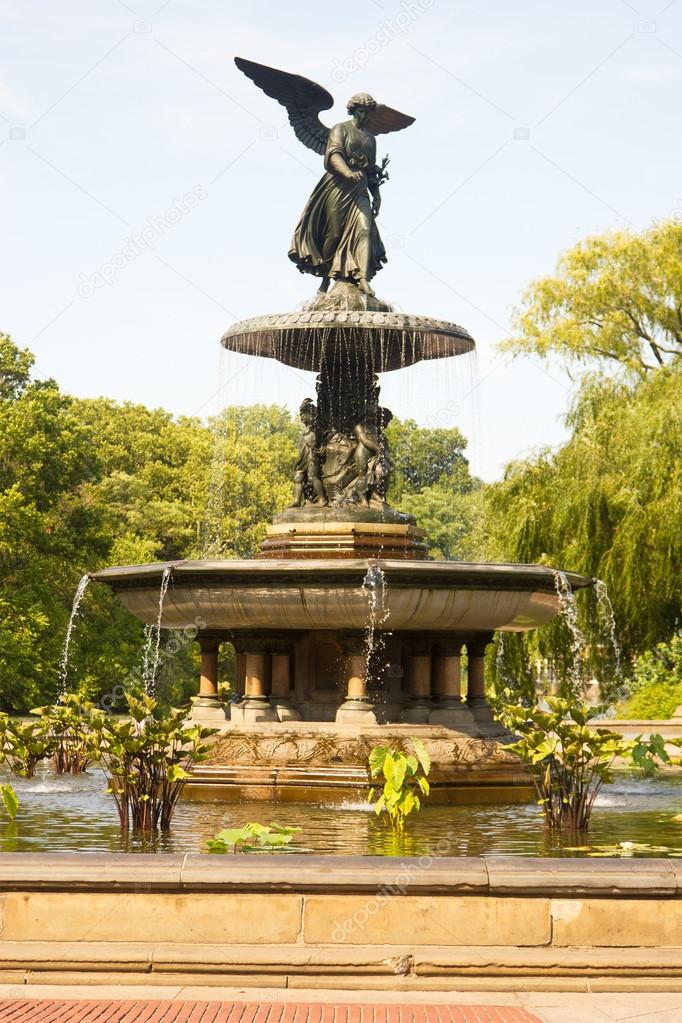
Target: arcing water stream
{"points": [[150, 663], [374, 586], [75, 609], [569, 612]]}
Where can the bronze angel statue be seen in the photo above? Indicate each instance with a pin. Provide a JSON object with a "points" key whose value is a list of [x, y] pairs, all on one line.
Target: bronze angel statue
{"points": [[337, 236]]}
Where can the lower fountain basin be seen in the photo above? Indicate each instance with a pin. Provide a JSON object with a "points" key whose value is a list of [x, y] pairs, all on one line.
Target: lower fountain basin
{"points": [[328, 594]]}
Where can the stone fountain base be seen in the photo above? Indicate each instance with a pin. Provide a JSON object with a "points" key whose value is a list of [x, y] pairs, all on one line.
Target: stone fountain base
{"points": [[315, 761]]}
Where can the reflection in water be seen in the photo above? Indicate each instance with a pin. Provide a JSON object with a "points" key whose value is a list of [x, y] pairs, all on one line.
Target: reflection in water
{"points": [[74, 813]]}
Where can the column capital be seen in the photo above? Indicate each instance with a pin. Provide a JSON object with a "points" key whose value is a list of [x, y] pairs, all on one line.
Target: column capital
{"points": [[209, 640], [263, 642], [476, 644]]}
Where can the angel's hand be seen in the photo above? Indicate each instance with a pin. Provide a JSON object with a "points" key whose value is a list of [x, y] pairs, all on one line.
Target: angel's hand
{"points": [[356, 176]]}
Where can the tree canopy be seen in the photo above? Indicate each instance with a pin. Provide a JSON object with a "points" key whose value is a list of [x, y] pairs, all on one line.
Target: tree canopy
{"points": [[615, 298]]}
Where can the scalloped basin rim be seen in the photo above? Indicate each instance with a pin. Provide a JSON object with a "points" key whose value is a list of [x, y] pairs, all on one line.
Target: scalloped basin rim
{"points": [[391, 340]]}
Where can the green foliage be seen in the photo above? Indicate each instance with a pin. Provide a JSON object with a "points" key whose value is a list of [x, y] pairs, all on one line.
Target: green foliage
{"points": [[404, 781], [422, 457], [148, 760], [23, 744], [252, 837], [607, 505], [10, 801], [571, 761], [615, 297], [430, 479], [656, 683], [67, 725]]}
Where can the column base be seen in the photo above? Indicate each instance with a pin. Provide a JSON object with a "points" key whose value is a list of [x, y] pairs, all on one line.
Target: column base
{"points": [[452, 712], [208, 710], [284, 709], [417, 712], [356, 712], [483, 716], [257, 708]]}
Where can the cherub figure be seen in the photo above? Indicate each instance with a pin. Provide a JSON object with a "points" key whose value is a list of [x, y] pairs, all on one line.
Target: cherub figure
{"points": [[337, 236], [372, 457], [308, 465]]}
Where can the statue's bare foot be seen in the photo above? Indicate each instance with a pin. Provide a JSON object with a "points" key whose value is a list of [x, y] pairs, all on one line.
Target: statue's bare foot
{"points": [[364, 287]]}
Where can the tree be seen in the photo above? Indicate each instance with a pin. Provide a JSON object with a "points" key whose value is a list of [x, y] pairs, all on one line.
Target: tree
{"points": [[656, 684], [615, 298], [47, 525], [422, 457], [607, 504]]}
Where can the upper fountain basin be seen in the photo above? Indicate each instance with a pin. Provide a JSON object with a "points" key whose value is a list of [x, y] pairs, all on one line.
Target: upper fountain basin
{"points": [[440, 596], [385, 340]]}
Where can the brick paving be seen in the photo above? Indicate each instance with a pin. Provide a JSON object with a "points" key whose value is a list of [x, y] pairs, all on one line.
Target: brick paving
{"points": [[30, 1010]]}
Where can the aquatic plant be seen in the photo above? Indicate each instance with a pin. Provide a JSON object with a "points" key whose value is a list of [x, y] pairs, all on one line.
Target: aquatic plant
{"points": [[10, 800], [23, 744], [252, 837], [67, 725], [147, 759], [571, 761], [404, 781]]}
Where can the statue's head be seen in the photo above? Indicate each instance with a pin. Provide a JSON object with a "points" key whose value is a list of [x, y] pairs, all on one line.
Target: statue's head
{"points": [[360, 105]]}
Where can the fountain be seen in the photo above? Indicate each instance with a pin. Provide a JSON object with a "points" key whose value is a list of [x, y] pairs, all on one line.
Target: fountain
{"points": [[340, 570]]}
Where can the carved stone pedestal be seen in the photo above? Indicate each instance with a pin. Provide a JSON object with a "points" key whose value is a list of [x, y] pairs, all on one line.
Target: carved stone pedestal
{"points": [[330, 538]]}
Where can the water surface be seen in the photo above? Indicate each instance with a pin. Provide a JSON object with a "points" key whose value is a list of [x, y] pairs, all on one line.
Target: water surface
{"points": [[633, 817]]}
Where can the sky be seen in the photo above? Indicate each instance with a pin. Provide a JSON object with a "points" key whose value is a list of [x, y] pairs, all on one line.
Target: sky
{"points": [[149, 190]]}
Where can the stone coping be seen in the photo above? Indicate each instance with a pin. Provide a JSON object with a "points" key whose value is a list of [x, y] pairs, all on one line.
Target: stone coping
{"points": [[341, 875]]}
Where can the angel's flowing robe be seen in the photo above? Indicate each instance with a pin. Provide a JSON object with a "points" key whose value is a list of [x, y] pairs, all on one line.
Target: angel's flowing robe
{"points": [[337, 235]]}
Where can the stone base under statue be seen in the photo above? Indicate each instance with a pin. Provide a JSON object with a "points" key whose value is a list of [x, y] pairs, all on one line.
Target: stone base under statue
{"points": [[332, 536], [308, 761]]}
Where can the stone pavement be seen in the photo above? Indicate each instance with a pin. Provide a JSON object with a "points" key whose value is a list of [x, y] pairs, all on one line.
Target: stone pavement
{"points": [[97, 1004]]}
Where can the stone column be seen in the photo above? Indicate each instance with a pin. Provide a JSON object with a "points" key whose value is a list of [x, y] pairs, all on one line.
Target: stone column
{"points": [[282, 681], [256, 705], [357, 707], [446, 682], [207, 707], [476, 698], [418, 709]]}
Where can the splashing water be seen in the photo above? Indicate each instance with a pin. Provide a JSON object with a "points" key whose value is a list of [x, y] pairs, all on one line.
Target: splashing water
{"points": [[75, 608], [605, 611], [569, 612], [608, 622], [374, 587], [150, 664], [500, 666]]}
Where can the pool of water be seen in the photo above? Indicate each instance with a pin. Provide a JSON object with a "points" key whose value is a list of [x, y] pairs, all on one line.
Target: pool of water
{"points": [[633, 817]]}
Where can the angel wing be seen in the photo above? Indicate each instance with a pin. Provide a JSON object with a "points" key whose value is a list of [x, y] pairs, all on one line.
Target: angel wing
{"points": [[304, 100], [383, 119]]}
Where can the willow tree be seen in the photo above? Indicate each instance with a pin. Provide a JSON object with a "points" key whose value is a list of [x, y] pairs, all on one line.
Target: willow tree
{"points": [[609, 502], [615, 299]]}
